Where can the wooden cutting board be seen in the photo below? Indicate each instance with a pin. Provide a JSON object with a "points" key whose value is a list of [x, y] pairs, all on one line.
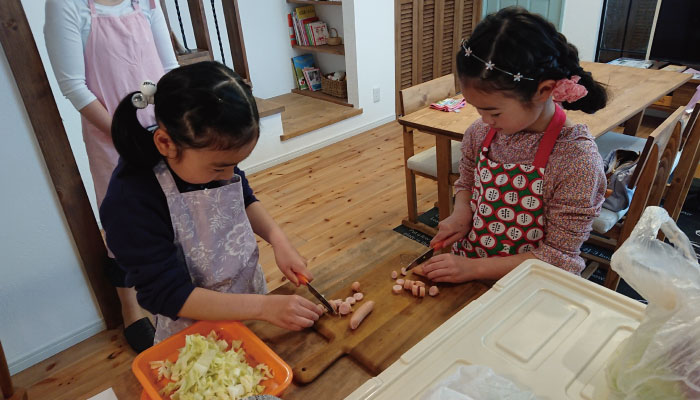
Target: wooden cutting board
{"points": [[397, 322]]}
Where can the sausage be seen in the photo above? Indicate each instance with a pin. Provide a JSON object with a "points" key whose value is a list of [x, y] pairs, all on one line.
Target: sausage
{"points": [[414, 290], [433, 291], [400, 282], [394, 274], [403, 271], [344, 308], [421, 291], [419, 270], [355, 286], [358, 296], [407, 284], [397, 289], [351, 300], [361, 313], [419, 283], [321, 308]]}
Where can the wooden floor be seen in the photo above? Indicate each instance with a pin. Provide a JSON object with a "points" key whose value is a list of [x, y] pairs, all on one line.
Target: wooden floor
{"points": [[303, 114], [326, 201]]}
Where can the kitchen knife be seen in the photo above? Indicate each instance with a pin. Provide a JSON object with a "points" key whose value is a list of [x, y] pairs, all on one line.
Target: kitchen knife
{"points": [[304, 281], [425, 256]]}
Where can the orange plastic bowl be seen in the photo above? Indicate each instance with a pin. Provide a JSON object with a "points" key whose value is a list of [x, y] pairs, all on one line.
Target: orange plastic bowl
{"points": [[256, 352]]}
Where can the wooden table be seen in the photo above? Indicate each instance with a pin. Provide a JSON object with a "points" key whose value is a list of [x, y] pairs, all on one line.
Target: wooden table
{"points": [[630, 92], [345, 375]]}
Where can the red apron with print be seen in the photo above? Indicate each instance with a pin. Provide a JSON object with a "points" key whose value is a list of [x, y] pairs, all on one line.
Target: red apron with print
{"points": [[507, 201]]}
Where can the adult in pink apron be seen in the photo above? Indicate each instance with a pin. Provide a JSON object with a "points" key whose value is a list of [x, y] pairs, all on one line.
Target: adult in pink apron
{"points": [[507, 201], [119, 54], [215, 238]]}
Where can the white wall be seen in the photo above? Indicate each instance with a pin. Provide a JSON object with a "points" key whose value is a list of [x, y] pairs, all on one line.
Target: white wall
{"points": [[581, 24], [45, 301]]}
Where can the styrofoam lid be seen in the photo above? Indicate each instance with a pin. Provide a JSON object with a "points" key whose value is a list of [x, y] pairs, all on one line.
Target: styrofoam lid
{"points": [[545, 329]]}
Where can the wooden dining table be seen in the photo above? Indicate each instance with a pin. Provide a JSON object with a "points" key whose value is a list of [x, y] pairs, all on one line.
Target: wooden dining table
{"points": [[630, 92]]}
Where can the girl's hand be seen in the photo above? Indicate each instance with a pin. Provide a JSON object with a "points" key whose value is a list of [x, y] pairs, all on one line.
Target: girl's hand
{"points": [[450, 268], [289, 311], [290, 262], [451, 229]]}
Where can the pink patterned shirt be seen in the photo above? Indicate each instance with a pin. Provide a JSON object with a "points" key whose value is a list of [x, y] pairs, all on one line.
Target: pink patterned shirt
{"points": [[574, 184]]}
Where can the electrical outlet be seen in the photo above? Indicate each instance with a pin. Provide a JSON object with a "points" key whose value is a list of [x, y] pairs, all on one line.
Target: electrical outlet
{"points": [[375, 95]]}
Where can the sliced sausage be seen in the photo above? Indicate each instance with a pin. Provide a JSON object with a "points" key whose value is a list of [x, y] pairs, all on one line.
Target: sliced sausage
{"points": [[344, 308], [358, 296], [397, 289], [394, 274], [350, 300], [421, 291], [361, 313], [414, 290], [400, 282], [433, 291], [407, 284], [321, 308], [355, 286], [419, 283], [403, 271]]}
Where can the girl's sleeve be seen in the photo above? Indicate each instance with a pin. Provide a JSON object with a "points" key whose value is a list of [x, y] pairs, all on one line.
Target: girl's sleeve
{"points": [[467, 163], [62, 32], [161, 37], [576, 198]]}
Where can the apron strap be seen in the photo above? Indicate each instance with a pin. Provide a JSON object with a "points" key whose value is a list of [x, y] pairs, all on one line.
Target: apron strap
{"points": [[153, 4], [165, 178], [93, 11], [550, 137], [488, 138]]}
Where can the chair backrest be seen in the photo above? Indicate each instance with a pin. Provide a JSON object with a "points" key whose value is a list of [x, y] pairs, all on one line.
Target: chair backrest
{"points": [[654, 167], [416, 97], [685, 170]]}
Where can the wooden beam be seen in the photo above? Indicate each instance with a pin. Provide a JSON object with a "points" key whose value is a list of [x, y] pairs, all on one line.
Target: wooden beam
{"points": [[30, 76], [199, 25], [235, 38]]}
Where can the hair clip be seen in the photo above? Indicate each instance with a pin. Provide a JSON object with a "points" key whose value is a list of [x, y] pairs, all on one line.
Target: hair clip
{"points": [[490, 66], [145, 97]]}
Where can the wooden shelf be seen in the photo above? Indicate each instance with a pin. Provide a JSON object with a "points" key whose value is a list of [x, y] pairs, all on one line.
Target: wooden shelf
{"points": [[322, 96], [314, 2], [339, 49], [194, 56]]}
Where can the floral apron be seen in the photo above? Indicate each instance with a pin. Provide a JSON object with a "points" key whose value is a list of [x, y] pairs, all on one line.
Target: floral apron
{"points": [[214, 235], [507, 201]]}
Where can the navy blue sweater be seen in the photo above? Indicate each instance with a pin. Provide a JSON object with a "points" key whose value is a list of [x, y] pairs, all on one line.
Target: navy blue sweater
{"points": [[136, 220]]}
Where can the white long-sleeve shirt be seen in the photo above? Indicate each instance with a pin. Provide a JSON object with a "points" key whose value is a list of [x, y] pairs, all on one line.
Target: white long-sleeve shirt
{"points": [[66, 31]]}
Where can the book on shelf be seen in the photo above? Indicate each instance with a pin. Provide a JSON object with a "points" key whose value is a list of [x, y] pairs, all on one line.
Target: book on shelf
{"points": [[313, 78], [305, 12], [298, 65], [319, 31], [292, 31]]}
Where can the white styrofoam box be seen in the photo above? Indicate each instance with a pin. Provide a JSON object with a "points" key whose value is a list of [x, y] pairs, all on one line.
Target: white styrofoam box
{"points": [[545, 329]]}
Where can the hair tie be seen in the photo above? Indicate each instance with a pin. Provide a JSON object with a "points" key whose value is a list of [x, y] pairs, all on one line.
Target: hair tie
{"points": [[568, 90], [145, 97]]}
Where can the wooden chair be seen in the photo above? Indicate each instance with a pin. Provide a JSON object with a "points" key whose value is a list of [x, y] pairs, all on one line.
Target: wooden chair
{"points": [[7, 391], [649, 181], [424, 164], [682, 178]]}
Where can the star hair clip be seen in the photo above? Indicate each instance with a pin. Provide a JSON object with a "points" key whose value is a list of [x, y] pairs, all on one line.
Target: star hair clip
{"points": [[490, 66]]}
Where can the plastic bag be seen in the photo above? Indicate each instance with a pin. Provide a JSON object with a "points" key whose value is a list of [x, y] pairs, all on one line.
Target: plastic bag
{"points": [[661, 359], [476, 382]]}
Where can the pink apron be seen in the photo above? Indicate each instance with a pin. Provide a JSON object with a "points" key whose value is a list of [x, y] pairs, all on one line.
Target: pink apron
{"points": [[119, 54], [507, 201], [215, 239]]}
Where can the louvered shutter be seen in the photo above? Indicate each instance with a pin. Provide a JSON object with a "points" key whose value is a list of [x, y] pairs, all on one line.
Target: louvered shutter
{"points": [[428, 33]]}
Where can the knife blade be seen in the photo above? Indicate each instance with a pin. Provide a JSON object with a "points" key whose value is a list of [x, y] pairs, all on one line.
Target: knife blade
{"points": [[304, 281], [425, 256]]}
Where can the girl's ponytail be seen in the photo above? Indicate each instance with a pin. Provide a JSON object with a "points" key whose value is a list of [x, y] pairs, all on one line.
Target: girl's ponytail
{"points": [[597, 96], [133, 142]]}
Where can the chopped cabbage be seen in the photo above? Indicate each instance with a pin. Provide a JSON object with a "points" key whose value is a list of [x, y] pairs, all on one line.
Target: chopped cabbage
{"points": [[206, 370]]}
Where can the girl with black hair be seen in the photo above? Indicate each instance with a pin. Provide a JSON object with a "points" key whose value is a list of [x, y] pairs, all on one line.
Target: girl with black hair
{"points": [[179, 214], [531, 181]]}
